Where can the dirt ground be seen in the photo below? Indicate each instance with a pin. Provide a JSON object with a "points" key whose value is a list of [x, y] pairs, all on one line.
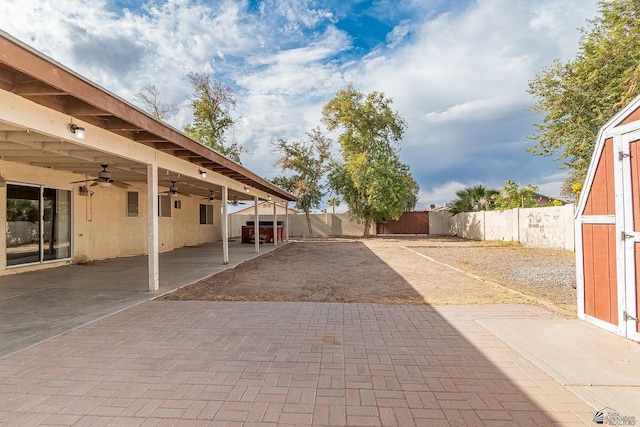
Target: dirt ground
{"points": [[378, 270]]}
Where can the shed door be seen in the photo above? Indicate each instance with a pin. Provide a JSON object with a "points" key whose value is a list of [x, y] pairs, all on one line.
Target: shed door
{"points": [[631, 233]]}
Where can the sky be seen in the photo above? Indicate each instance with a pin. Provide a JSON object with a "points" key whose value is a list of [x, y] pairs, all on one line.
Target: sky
{"points": [[457, 71]]}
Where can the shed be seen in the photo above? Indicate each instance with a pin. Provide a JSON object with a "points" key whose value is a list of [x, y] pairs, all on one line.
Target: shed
{"points": [[608, 228]]}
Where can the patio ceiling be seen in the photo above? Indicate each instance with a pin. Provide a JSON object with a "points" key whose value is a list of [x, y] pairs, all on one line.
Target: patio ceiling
{"points": [[33, 76]]}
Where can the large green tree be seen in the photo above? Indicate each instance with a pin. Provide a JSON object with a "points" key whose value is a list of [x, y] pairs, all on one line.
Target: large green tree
{"points": [[575, 99], [212, 104], [473, 199], [370, 178], [308, 161]]}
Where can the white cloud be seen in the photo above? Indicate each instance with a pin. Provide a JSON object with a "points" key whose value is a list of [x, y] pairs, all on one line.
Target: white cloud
{"points": [[459, 78]]}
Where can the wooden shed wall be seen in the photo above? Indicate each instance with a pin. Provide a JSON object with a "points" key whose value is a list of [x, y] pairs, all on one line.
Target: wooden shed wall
{"points": [[601, 198], [600, 284], [633, 117]]}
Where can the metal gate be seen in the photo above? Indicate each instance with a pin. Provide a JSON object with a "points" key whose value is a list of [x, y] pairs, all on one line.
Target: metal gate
{"points": [[414, 222]]}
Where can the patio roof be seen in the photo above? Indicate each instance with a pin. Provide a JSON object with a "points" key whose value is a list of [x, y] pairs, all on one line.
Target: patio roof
{"points": [[33, 76]]}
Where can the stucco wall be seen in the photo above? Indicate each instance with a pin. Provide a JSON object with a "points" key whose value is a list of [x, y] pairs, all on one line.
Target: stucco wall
{"points": [[547, 227], [100, 226], [439, 223], [323, 224]]}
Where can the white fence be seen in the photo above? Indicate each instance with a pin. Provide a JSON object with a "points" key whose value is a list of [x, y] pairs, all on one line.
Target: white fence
{"points": [[322, 225], [548, 227]]}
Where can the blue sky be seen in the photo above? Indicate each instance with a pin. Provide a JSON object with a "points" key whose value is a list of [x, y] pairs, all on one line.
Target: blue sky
{"points": [[456, 70]]}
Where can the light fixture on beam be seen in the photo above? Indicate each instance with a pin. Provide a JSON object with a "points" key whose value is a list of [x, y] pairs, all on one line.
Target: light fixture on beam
{"points": [[202, 173], [246, 189], [269, 197], [77, 130]]}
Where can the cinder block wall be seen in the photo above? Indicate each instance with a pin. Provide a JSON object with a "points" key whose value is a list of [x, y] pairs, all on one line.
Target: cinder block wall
{"points": [[548, 227]]}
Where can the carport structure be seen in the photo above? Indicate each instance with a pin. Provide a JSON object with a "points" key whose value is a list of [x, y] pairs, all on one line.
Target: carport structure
{"points": [[61, 134], [608, 228]]}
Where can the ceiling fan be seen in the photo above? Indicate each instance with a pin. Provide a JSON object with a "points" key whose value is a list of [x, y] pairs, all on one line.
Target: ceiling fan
{"points": [[234, 201], [104, 179], [211, 196], [173, 191]]}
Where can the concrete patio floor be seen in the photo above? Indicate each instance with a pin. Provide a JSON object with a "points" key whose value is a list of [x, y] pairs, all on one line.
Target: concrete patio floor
{"points": [[38, 305]]}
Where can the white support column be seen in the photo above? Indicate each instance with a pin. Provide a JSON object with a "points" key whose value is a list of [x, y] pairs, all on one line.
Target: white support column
{"points": [[286, 220], [152, 221], [256, 225], [275, 225], [225, 226]]}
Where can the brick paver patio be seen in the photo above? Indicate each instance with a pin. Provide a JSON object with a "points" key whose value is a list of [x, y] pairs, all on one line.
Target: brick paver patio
{"points": [[262, 364]]}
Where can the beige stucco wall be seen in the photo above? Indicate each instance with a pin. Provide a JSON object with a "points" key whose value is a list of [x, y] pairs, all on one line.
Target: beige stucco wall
{"points": [[100, 226]]}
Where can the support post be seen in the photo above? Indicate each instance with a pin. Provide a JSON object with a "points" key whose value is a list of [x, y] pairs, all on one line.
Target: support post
{"points": [[286, 220], [275, 225], [256, 225], [225, 226], [152, 226]]}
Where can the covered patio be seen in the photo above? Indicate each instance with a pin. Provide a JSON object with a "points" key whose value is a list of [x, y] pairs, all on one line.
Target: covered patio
{"points": [[85, 175], [38, 305]]}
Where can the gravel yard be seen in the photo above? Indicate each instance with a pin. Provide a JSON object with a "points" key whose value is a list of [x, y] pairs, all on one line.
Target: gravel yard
{"points": [[395, 271], [543, 273]]}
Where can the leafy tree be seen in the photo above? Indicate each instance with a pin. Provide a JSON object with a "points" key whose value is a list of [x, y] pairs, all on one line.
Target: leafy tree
{"points": [[333, 202], [513, 196], [371, 179], [473, 199], [577, 98], [212, 102], [308, 160], [22, 210], [149, 96]]}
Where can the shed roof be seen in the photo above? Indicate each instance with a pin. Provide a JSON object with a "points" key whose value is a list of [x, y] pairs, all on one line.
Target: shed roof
{"points": [[626, 120]]}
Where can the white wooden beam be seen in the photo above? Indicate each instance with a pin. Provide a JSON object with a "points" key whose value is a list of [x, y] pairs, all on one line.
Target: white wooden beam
{"points": [[286, 220], [275, 224], [256, 224], [225, 226], [152, 219]]}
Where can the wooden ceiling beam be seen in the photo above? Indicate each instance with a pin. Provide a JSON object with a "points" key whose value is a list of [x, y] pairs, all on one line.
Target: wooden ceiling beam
{"points": [[35, 88]]}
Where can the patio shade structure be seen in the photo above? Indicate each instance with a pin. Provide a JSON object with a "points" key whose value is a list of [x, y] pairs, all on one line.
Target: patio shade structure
{"points": [[62, 133]]}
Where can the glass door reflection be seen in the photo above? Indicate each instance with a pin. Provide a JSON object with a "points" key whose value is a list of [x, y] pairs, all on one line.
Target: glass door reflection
{"points": [[23, 224], [56, 224]]}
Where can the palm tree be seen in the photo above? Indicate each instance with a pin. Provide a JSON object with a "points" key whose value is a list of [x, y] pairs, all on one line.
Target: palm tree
{"points": [[473, 199], [333, 202]]}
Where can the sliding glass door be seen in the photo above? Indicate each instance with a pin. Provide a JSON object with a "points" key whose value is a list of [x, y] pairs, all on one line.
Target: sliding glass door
{"points": [[38, 224], [56, 224]]}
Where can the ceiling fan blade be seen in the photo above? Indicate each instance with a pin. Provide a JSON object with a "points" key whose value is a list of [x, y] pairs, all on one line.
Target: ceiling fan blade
{"points": [[84, 180], [119, 184]]}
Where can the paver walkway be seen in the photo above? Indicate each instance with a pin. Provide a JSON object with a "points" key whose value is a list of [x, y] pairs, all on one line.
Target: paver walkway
{"points": [[41, 304], [262, 364]]}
